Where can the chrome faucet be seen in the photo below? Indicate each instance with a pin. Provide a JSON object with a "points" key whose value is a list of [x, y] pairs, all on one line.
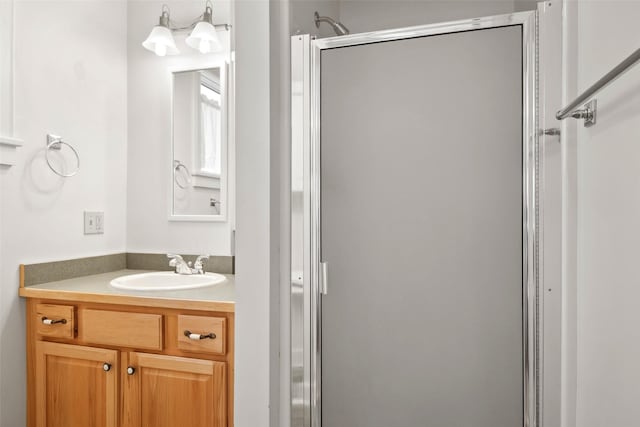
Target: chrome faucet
{"points": [[183, 267]]}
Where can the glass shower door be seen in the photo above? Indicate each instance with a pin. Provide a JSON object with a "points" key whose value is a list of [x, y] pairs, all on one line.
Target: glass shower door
{"points": [[418, 254]]}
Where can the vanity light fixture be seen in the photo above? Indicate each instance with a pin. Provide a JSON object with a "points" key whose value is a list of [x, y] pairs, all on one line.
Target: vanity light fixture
{"points": [[160, 41], [203, 36]]}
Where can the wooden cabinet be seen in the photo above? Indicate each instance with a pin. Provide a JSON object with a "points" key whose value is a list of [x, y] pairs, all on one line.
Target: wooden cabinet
{"points": [[76, 386], [166, 391], [102, 365]]}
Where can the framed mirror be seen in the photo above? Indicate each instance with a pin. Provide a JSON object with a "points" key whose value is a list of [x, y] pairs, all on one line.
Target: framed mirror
{"points": [[198, 168]]}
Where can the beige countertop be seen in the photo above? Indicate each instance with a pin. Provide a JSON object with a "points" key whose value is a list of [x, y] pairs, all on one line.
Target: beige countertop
{"points": [[96, 288]]}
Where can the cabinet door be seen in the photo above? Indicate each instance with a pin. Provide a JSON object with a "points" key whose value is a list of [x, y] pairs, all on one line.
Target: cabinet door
{"points": [[76, 386], [168, 391]]}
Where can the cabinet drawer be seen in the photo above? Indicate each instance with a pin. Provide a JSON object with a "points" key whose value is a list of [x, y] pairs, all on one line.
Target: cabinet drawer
{"points": [[54, 320], [121, 328], [202, 334]]}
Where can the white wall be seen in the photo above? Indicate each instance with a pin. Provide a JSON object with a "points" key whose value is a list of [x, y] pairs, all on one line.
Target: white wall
{"points": [[6, 67], [71, 80], [550, 97], [362, 16], [608, 207], [256, 262], [6, 127], [569, 217], [523, 5], [149, 136]]}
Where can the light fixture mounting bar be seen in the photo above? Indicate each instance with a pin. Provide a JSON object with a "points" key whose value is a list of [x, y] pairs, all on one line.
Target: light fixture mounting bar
{"points": [[207, 16], [225, 27]]}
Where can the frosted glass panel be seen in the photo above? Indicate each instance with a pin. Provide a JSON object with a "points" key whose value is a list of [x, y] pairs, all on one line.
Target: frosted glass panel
{"points": [[421, 153]]}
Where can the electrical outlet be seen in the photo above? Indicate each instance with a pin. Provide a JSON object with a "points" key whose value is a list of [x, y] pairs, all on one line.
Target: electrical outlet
{"points": [[99, 222], [93, 222]]}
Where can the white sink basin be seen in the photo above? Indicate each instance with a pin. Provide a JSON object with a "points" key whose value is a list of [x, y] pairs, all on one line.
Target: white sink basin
{"points": [[166, 281]]}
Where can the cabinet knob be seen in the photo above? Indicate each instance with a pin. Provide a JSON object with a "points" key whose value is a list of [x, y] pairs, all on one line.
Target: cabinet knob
{"points": [[131, 370], [106, 367], [197, 337], [48, 321]]}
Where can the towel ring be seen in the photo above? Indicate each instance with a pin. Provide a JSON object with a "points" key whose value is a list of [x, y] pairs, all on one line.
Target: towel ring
{"points": [[55, 143], [177, 165]]}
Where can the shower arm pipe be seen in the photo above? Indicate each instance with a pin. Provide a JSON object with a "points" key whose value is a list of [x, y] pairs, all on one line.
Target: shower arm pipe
{"points": [[338, 27], [620, 69], [319, 19]]}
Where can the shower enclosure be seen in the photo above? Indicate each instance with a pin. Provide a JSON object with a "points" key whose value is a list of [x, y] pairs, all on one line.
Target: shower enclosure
{"points": [[415, 227]]}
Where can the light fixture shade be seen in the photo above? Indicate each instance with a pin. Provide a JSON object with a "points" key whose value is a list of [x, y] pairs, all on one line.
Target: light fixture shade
{"points": [[160, 41], [204, 38]]}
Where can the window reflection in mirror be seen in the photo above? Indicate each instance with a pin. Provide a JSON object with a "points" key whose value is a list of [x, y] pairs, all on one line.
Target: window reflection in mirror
{"points": [[199, 144], [210, 122]]}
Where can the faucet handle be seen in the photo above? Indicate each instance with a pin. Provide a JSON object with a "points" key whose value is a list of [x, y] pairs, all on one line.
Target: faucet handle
{"points": [[174, 259], [198, 264]]}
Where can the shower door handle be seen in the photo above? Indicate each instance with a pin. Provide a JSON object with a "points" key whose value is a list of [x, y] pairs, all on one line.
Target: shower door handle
{"points": [[324, 267]]}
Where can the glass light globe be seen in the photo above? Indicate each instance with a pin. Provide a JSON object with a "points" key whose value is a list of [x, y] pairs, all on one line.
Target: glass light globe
{"points": [[204, 38], [160, 41]]}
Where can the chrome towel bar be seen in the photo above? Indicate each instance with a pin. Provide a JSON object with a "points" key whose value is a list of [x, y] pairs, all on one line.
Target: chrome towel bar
{"points": [[588, 113]]}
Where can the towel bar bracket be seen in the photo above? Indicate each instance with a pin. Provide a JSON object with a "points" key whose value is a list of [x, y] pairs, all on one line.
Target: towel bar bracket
{"points": [[588, 113]]}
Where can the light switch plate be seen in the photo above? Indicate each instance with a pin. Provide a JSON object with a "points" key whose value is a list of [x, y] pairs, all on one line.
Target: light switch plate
{"points": [[93, 222]]}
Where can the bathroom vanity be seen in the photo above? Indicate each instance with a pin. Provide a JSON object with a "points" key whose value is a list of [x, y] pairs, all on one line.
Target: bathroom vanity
{"points": [[100, 356]]}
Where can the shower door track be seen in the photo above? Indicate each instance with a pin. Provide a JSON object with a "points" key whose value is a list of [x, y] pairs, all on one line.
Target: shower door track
{"points": [[306, 393]]}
